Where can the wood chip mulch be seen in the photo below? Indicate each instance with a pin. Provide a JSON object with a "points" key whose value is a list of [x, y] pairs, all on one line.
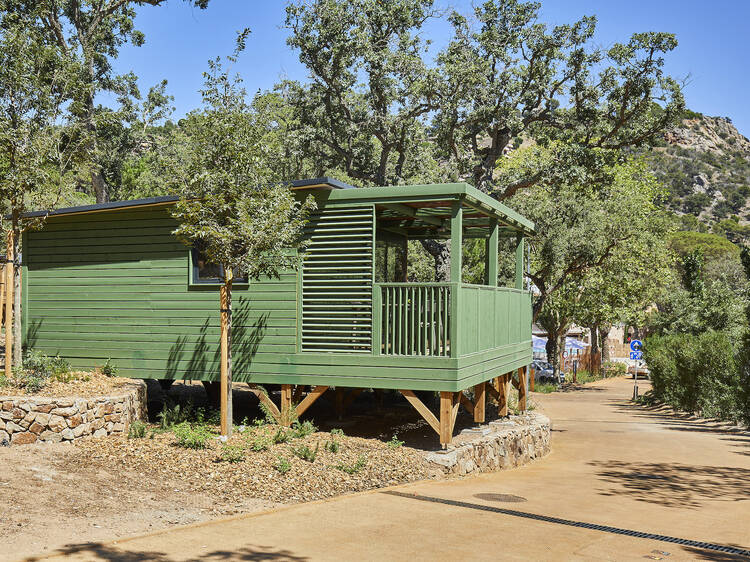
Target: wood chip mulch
{"points": [[204, 471], [81, 385]]}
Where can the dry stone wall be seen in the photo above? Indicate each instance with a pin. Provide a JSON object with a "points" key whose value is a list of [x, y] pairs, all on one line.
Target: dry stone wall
{"points": [[31, 419], [498, 445]]}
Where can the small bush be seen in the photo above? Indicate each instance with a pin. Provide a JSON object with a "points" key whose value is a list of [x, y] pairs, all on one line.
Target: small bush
{"points": [[108, 369], [614, 369], [545, 387], [337, 431], [261, 442], [306, 453], [192, 437], [302, 430], [232, 453], [394, 443], [137, 430], [332, 446], [353, 468], [283, 465], [281, 436]]}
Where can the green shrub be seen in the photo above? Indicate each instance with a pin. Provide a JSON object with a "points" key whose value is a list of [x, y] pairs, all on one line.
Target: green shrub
{"points": [[281, 436], [306, 453], [283, 465], [337, 431], [332, 446], [394, 443], [137, 430], [695, 373], [108, 369], [302, 430], [353, 468], [545, 387], [261, 442], [232, 453], [192, 437], [614, 369]]}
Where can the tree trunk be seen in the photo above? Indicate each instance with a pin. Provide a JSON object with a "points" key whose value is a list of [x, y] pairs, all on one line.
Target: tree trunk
{"points": [[101, 191], [226, 355], [594, 352], [441, 253], [603, 335]]}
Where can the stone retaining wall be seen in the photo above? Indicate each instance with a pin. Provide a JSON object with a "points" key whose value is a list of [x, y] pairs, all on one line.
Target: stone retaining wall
{"points": [[28, 419], [498, 445]]}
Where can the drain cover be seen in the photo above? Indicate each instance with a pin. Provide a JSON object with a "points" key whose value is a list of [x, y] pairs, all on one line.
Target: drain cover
{"points": [[509, 498]]}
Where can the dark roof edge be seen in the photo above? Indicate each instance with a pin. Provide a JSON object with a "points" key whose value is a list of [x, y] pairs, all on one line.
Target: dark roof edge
{"points": [[163, 200]]}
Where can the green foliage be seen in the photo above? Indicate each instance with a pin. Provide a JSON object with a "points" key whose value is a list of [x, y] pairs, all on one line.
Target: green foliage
{"points": [[282, 436], [174, 413], [337, 431], [108, 369], [545, 387], [332, 446], [303, 429], [614, 369], [232, 453], [137, 430], [306, 453], [191, 436], [283, 465], [353, 468], [695, 373], [394, 443], [37, 370], [261, 442], [711, 246]]}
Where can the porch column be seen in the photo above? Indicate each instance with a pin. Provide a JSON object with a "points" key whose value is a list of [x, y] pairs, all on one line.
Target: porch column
{"points": [[456, 241], [519, 262], [490, 255]]}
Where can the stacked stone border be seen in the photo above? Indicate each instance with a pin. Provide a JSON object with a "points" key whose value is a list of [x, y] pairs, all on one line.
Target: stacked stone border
{"points": [[498, 445], [31, 419]]}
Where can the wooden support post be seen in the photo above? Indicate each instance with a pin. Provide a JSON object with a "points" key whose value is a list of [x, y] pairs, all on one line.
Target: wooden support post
{"points": [[423, 410], [502, 405], [226, 371], [519, 263], [446, 418], [9, 289], [479, 402], [522, 389], [490, 256], [465, 402], [532, 376], [286, 405], [266, 401], [312, 396]]}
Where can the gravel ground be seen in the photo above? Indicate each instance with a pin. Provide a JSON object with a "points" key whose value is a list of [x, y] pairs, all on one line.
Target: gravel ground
{"points": [[204, 471], [82, 385]]}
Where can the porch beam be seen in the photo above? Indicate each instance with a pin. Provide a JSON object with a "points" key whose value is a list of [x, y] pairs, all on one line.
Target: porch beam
{"points": [[456, 241], [412, 212]]}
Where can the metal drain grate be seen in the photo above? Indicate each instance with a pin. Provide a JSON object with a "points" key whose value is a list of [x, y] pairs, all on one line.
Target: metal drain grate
{"points": [[507, 498], [580, 524]]}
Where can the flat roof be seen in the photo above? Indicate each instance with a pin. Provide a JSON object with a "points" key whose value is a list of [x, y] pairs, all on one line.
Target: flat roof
{"points": [[340, 191]]}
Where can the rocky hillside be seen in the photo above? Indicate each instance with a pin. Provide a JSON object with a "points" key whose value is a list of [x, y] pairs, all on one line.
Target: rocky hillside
{"points": [[705, 165]]}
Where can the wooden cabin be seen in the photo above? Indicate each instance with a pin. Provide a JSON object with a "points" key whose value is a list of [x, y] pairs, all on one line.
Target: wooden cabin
{"points": [[112, 281]]}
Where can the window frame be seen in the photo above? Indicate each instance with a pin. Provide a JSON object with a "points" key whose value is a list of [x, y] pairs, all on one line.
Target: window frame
{"points": [[195, 282]]}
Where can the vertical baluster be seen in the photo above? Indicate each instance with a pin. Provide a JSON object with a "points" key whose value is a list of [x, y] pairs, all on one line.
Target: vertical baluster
{"points": [[438, 318], [433, 308], [393, 321], [446, 308], [386, 322], [424, 320]]}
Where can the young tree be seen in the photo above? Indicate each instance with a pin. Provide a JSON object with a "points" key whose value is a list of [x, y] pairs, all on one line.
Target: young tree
{"points": [[38, 147], [232, 203], [90, 34]]}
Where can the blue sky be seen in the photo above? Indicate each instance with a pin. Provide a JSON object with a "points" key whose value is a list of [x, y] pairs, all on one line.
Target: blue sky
{"points": [[713, 50]]}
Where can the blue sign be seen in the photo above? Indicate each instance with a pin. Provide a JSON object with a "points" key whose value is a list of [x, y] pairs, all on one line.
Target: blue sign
{"points": [[636, 345], [636, 355]]}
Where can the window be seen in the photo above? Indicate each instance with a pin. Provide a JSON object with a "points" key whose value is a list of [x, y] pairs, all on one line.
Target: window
{"points": [[206, 273]]}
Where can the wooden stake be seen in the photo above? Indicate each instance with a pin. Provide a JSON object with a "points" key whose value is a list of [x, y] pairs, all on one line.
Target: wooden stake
{"points": [[502, 405], [226, 371], [479, 402], [522, 389], [9, 287], [446, 418], [286, 405]]}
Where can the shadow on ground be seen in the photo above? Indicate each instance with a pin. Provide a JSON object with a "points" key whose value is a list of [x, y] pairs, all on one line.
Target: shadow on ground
{"points": [[674, 485], [111, 553]]}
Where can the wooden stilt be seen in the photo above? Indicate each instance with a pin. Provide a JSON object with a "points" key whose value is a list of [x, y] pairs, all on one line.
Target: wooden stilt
{"points": [[286, 405], [454, 410], [465, 402], [532, 376], [502, 405], [522, 389], [266, 400], [479, 402], [446, 418], [423, 410], [496, 384], [311, 397]]}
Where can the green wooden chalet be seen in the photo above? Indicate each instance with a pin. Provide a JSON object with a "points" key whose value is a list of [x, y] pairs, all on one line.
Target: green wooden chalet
{"points": [[112, 281]]}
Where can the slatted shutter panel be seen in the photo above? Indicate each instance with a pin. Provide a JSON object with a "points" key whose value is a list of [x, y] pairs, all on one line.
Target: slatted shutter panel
{"points": [[337, 276]]}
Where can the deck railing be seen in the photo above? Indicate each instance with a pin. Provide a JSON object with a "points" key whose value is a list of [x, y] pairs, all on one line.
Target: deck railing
{"points": [[414, 318], [447, 319]]}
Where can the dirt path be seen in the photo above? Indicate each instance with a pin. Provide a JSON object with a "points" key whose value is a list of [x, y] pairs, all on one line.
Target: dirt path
{"points": [[613, 465]]}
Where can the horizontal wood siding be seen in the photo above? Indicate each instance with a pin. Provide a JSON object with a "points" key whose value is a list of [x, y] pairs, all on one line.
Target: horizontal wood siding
{"points": [[115, 285]]}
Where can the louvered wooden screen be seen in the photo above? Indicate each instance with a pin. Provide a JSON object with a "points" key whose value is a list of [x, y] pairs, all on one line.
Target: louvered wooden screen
{"points": [[337, 276]]}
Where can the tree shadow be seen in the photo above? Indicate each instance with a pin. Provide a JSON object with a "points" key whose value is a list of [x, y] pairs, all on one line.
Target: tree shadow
{"points": [[674, 484], [112, 553], [701, 554]]}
